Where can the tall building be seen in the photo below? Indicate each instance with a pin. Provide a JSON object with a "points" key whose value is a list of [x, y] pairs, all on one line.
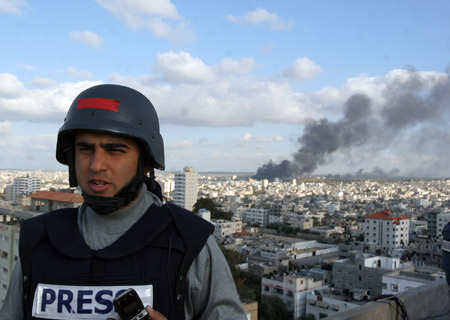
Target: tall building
{"points": [[24, 186], [9, 249], [386, 229], [186, 188]]}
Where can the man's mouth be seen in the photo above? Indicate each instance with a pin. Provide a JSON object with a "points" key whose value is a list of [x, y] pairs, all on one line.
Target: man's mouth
{"points": [[99, 186]]}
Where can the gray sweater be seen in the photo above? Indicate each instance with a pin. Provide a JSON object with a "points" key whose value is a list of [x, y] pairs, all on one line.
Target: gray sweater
{"points": [[211, 290]]}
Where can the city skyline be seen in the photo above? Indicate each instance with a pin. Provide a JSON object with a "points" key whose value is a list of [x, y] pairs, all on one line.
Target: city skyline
{"points": [[282, 89]]}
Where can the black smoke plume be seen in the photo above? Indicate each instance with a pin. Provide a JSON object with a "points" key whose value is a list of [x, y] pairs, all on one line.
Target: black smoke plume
{"points": [[416, 107]]}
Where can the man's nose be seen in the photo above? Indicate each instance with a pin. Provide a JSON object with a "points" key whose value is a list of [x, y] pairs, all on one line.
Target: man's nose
{"points": [[98, 161]]}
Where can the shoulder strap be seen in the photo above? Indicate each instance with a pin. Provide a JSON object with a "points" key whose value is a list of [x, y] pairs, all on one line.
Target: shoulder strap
{"points": [[32, 233], [195, 232]]}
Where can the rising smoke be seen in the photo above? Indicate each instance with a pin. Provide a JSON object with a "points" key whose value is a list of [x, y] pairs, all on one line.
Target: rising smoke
{"points": [[416, 110]]}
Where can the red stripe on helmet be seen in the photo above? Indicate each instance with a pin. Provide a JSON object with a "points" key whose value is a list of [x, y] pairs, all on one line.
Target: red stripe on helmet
{"points": [[98, 103]]}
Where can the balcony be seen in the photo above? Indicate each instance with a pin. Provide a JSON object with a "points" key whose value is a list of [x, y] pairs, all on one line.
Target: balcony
{"points": [[430, 301]]}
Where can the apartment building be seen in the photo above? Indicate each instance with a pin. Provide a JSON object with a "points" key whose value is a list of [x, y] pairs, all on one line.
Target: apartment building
{"points": [[442, 220], [257, 216], [186, 188], [292, 289], [21, 187], [364, 273], [386, 229], [224, 228], [9, 244]]}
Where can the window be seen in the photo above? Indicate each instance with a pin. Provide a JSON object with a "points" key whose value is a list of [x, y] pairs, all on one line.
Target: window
{"points": [[394, 287], [266, 288], [290, 294], [5, 254]]}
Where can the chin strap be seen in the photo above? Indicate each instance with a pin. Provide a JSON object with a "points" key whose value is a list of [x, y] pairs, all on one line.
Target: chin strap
{"points": [[105, 205]]}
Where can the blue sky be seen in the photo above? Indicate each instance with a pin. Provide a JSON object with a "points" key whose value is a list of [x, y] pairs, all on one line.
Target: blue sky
{"points": [[235, 83]]}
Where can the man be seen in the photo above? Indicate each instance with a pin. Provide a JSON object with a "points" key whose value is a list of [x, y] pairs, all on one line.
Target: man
{"points": [[73, 262]]}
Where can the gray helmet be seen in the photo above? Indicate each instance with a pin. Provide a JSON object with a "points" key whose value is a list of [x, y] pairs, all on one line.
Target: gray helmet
{"points": [[115, 109]]}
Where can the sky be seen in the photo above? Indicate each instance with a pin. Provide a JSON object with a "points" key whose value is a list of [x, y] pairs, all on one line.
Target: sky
{"points": [[278, 88]]}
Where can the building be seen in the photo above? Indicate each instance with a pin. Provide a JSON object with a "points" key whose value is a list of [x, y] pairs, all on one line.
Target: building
{"points": [[432, 223], [186, 188], [292, 289], [9, 244], [442, 220], [45, 201], [224, 228], [257, 216], [362, 272], [22, 186], [323, 303], [386, 229], [399, 281]]}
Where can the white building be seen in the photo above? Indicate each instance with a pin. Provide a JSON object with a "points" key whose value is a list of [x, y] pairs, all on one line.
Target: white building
{"points": [[292, 289], [9, 244], [224, 228], [386, 229], [322, 303], [442, 220], [257, 216], [400, 281], [186, 188], [22, 186]]}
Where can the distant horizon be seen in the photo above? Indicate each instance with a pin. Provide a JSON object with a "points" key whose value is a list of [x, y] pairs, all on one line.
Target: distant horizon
{"points": [[328, 176]]}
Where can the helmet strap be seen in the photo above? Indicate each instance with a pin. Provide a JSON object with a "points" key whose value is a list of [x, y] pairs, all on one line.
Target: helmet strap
{"points": [[105, 205], [71, 163]]}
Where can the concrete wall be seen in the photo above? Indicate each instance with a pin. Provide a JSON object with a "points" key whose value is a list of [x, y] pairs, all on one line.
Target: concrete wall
{"points": [[430, 301]]}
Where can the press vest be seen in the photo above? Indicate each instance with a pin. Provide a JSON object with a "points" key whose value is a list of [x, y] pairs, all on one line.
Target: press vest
{"points": [[69, 277]]}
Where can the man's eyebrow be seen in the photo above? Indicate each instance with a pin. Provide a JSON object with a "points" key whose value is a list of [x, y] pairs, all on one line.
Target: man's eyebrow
{"points": [[84, 144], [114, 145]]}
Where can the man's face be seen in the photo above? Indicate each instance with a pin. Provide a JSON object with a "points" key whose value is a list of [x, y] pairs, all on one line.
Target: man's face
{"points": [[104, 163]]}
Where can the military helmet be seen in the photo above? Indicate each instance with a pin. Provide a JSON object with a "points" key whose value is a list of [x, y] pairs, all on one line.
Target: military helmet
{"points": [[113, 109]]}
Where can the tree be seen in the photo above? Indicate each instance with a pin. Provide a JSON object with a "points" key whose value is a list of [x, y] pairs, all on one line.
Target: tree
{"points": [[273, 308], [208, 204], [205, 203]]}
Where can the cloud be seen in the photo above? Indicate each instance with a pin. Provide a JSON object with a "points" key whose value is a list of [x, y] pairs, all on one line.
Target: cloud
{"points": [[89, 38], [248, 138], [48, 104], [5, 128], [79, 74], [185, 144], [159, 17], [42, 83], [25, 66], [12, 6], [302, 69], [242, 66], [183, 68], [261, 16], [206, 143]]}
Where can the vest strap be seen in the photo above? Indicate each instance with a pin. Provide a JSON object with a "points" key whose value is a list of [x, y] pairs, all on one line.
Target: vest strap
{"points": [[180, 285]]}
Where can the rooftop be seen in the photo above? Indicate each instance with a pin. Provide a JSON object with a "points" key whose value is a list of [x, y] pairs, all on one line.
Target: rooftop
{"points": [[387, 215], [57, 196]]}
